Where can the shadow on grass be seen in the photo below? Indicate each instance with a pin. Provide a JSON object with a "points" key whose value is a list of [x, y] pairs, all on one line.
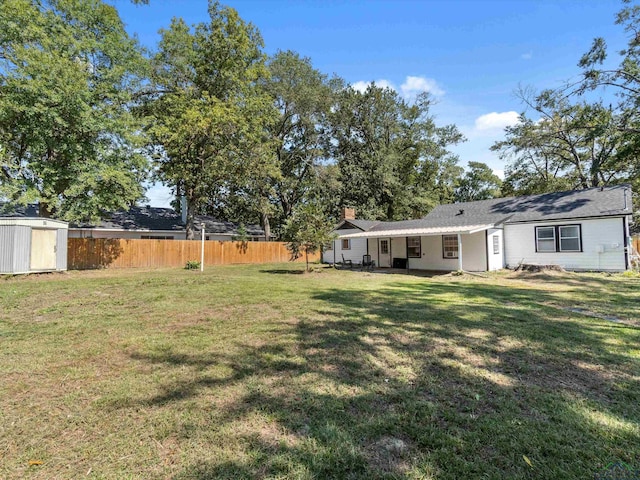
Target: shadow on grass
{"points": [[283, 271], [434, 380]]}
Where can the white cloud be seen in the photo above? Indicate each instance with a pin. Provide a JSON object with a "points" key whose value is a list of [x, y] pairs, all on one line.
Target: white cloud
{"points": [[526, 56], [499, 173], [361, 86], [495, 121], [411, 87], [415, 85]]}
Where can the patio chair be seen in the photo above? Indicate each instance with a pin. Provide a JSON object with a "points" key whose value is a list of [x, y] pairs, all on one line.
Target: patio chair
{"points": [[346, 262], [367, 263]]}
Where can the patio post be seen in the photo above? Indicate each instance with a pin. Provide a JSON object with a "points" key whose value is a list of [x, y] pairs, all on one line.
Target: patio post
{"points": [[459, 252]]}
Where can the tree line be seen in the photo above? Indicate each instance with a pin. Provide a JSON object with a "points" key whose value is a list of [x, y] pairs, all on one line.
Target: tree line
{"points": [[87, 116]]}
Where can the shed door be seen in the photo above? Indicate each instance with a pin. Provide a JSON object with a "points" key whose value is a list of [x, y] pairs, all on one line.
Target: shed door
{"points": [[43, 249]]}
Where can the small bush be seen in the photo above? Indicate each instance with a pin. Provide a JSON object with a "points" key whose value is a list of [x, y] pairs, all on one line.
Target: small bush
{"points": [[192, 265]]}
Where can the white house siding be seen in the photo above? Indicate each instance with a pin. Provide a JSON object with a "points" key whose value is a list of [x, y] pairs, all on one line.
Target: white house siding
{"points": [[474, 254], [602, 245], [355, 253], [496, 260], [373, 250], [398, 248]]}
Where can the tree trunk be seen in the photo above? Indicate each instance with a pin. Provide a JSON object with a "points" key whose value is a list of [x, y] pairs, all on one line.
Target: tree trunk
{"points": [[306, 257], [190, 218], [44, 210], [267, 227]]}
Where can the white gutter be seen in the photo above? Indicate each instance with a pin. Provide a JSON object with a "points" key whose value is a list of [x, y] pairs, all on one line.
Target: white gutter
{"points": [[423, 232]]}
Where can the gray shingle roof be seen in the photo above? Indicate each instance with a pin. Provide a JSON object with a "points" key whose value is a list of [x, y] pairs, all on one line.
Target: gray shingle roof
{"points": [[364, 225], [592, 202], [146, 218]]}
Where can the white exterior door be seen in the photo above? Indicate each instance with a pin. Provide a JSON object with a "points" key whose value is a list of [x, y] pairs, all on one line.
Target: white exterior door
{"points": [[43, 249], [384, 252]]}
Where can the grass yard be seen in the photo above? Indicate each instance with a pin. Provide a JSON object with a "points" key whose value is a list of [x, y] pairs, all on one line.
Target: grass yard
{"points": [[264, 372]]}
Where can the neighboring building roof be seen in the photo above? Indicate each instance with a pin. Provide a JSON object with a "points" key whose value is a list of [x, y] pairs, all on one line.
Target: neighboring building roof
{"points": [[480, 215], [148, 219], [29, 211]]}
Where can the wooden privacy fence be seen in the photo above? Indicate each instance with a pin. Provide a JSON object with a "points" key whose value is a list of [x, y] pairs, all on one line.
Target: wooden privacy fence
{"points": [[635, 241], [90, 253]]}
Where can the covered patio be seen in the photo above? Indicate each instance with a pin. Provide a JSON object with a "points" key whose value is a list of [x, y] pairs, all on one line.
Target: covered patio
{"points": [[471, 248]]}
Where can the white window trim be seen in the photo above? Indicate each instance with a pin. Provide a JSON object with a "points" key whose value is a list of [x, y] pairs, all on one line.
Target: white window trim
{"points": [[452, 248], [560, 227], [385, 242], [418, 246], [348, 247]]}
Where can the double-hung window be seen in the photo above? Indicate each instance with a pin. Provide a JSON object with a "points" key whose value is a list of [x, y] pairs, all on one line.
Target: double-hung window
{"points": [[569, 238], [559, 238], [545, 239], [346, 244], [450, 246], [413, 247]]}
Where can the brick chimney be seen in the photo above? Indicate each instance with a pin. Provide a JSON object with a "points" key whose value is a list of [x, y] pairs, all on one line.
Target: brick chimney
{"points": [[347, 213]]}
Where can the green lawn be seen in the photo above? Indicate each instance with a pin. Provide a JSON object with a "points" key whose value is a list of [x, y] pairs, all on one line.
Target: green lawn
{"points": [[265, 372]]}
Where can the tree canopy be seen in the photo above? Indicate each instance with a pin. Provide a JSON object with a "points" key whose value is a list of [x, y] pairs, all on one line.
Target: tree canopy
{"points": [[69, 76]]}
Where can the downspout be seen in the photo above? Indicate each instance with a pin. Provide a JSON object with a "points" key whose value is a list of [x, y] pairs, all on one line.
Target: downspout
{"points": [[459, 253]]}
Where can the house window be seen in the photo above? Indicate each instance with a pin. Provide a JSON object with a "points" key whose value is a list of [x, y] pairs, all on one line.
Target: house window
{"points": [[545, 239], [413, 247], [496, 245], [450, 246], [562, 238], [569, 238], [384, 247], [346, 244]]}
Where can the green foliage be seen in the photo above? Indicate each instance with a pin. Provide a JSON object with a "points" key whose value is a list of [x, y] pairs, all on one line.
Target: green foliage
{"points": [[478, 183], [307, 230], [393, 159], [207, 122], [241, 235], [570, 146], [192, 265], [69, 74]]}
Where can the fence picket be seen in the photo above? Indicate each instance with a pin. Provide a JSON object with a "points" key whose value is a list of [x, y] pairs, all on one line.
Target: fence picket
{"points": [[90, 253]]}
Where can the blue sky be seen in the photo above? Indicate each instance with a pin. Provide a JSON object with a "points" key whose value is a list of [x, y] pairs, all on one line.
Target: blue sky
{"points": [[471, 55]]}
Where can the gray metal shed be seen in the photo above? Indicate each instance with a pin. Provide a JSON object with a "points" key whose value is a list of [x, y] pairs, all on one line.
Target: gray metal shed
{"points": [[31, 245]]}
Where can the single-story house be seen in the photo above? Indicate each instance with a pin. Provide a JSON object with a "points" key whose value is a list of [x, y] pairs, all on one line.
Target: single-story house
{"points": [[577, 230], [146, 222]]}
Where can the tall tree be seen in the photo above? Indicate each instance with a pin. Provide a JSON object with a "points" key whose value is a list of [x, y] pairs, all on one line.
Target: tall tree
{"points": [[478, 183], [303, 97], [571, 145], [69, 76], [394, 161], [208, 118]]}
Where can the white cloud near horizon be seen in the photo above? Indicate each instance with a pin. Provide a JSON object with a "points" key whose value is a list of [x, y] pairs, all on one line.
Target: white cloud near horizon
{"points": [[411, 87], [361, 86], [527, 56], [495, 121]]}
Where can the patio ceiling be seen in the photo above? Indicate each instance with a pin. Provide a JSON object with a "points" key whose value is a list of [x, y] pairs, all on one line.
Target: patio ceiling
{"points": [[420, 232]]}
